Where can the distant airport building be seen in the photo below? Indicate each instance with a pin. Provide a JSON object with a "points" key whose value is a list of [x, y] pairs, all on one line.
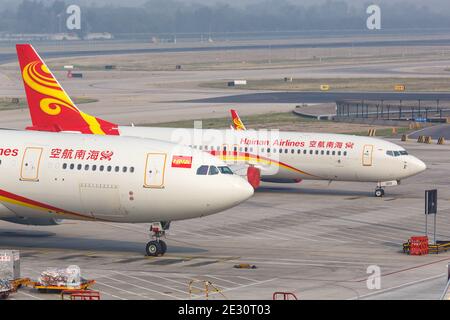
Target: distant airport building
{"points": [[54, 36], [411, 110]]}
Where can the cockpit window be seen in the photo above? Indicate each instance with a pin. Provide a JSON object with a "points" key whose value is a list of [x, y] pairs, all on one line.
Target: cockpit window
{"points": [[213, 170], [397, 153], [202, 170], [225, 170]]}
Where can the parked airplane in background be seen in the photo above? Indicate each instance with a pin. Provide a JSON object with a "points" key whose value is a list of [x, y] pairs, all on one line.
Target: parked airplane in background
{"points": [[236, 122], [282, 157], [51, 176]]}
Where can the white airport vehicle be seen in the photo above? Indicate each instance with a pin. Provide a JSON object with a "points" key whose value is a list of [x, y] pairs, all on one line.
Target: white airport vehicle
{"points": [[282, 157]]}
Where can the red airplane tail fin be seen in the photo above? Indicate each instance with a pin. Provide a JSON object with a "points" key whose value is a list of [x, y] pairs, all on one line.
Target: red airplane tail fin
{"points": [[237, 123], [51, 108]]}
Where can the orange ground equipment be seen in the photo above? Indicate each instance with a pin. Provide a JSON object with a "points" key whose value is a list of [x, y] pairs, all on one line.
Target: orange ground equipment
{"points": [[43, 288]]}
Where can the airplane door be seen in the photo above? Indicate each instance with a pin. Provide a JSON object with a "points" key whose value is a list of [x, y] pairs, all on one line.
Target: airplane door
{"points": [[155, 167], [101, 200], [31, 160], [367, 155]]}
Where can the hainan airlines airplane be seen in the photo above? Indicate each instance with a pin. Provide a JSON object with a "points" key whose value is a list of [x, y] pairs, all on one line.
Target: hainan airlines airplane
{"points": [[276, 156], [50, 176]]}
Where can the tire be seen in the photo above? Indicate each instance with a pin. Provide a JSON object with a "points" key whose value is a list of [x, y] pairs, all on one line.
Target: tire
{"points": [[379, 193], [163, 247], [153, 249]]}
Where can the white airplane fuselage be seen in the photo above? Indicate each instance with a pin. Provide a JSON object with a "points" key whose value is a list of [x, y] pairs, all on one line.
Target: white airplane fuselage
{"points": [[295, 156], [121, 179]]}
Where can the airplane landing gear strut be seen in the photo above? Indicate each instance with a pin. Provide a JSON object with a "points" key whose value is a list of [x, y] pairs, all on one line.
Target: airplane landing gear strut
{"points": [[379, 191], [157, 247]]}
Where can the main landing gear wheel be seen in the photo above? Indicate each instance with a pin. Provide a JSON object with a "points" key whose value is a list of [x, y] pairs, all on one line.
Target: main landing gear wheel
{"points": [[379, 192], [155, 248]]}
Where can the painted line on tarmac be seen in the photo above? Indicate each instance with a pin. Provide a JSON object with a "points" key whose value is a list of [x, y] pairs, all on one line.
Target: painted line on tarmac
{"points": [[237, 288], [399, 286], [110, 294], [172, 280], [30, 295], [143, 288], [221, 279], [116, 288], [156, 284]]}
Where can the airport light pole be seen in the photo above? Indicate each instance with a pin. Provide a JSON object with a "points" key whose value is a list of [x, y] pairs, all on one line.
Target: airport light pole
{"points": [[430, 208]]}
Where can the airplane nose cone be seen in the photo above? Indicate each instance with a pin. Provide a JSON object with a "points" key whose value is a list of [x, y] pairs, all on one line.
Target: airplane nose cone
{"points": [[233, 191], [241, 190], [417, 166], [421, 166]]}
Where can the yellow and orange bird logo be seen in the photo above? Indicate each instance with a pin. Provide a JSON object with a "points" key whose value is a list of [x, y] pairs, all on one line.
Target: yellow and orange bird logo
{"points": [[237, 123], [38, 77]]}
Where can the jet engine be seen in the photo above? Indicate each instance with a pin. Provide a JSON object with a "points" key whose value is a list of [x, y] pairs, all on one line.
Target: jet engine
{"points": [[33, 221]]}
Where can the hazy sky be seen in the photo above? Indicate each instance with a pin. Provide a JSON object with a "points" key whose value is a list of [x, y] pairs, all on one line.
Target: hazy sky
{"points": [[438, 5]]}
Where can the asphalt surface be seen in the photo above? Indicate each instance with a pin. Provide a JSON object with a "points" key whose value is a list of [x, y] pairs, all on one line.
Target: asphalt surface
{"points": [[314, 239], [8, 57], [434, 132], [322, 97]]}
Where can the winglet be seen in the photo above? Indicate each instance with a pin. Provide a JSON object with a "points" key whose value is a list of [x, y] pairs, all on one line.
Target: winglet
{"points": [[51, 108], [236, 123]]}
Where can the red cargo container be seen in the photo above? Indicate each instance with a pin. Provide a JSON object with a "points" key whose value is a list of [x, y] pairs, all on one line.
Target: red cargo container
{"points": [[418, 246]]}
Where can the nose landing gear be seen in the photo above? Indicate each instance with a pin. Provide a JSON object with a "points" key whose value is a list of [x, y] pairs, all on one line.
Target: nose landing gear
{"points": [[157, 247], [379, 192]]}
